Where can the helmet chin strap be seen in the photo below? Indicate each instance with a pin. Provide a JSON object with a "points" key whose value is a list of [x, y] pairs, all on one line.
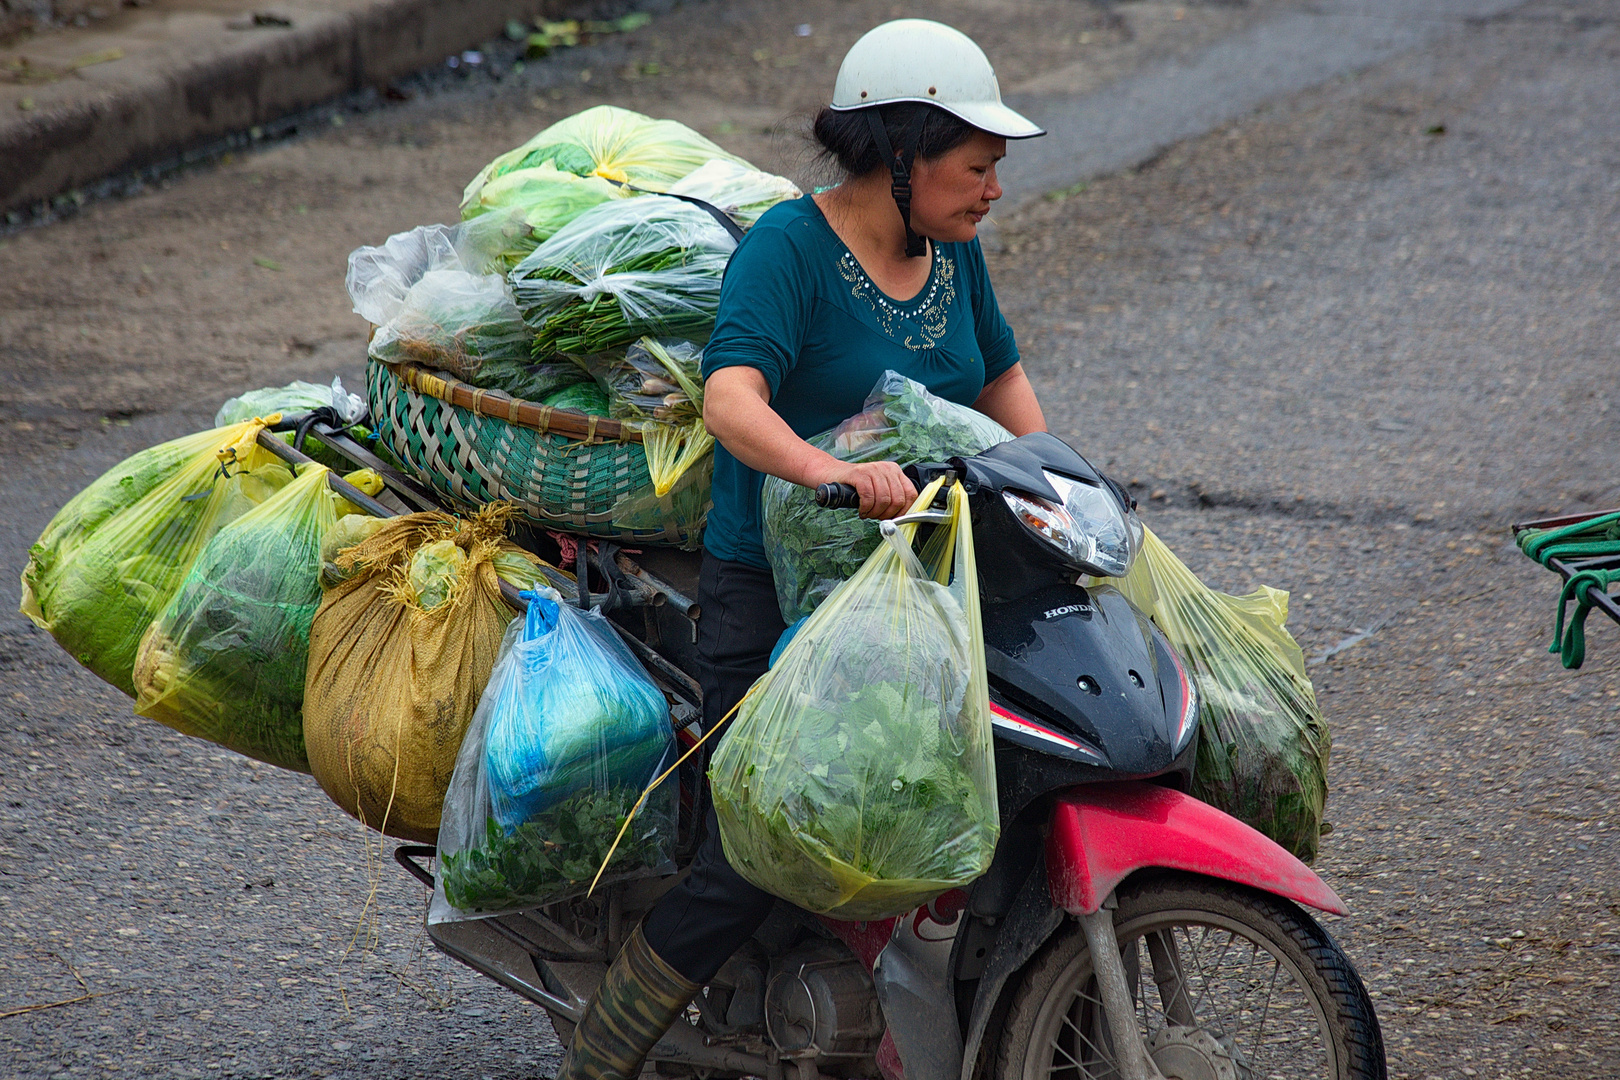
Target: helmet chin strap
{"points": [[900, 161]]}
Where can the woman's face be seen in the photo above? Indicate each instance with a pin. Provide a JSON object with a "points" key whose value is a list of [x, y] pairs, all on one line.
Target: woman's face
{"points": [[952, 193]]}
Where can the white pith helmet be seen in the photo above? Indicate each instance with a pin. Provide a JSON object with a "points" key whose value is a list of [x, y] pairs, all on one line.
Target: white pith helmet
{"points": [[927, 61]]}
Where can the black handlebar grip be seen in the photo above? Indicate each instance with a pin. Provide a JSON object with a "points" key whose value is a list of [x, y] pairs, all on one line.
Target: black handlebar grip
{"points": [[838, 497]]}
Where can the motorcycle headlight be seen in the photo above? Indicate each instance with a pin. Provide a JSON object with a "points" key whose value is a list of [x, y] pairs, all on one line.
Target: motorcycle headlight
{"points": [[1090, 527]]}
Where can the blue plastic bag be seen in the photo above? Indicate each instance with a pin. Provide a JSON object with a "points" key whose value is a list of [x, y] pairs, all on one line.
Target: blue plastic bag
{"points": [[569, 732]]}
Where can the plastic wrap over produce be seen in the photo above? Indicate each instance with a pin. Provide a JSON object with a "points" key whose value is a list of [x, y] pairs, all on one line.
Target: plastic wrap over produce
{"points": [[1263, 742], [437, 297], [544, 199], [615, 144], [569, 732], [112, 558], [810, 549], [225, 661], [857, 778], [743, 193], [296, 397], [632, 267]]}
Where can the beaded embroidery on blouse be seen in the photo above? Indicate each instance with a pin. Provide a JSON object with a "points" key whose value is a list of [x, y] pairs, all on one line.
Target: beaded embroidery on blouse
{"points": [[930, 313]]}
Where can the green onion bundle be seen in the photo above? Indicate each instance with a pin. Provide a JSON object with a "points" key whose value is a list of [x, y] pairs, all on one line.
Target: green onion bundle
{"points": [[643, 266]]}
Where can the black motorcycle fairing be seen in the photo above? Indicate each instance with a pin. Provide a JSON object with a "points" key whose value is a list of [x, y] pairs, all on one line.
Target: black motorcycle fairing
{"points": [[1087, 662], [1021, 465]]}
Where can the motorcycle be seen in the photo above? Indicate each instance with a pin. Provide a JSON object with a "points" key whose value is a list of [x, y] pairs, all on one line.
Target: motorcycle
{"points": [[1123, 930]]}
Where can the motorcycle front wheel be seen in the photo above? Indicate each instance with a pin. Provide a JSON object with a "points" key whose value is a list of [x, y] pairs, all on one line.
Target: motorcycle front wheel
{"points": [[1229, 983]]}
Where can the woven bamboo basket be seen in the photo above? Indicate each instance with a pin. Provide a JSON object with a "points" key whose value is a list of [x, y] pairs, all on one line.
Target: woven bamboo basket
{"points": [[562, 469]]}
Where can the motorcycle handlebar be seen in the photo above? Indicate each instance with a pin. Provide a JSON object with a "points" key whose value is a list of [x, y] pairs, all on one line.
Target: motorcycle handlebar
{"points": [[838, 497]]}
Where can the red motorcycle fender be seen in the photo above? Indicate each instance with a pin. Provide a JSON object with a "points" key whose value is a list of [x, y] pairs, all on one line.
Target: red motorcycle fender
{"points": [[1103, 833]]}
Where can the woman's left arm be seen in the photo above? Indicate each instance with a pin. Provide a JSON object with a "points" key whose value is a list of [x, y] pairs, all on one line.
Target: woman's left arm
{"points": [[1010, 401]]}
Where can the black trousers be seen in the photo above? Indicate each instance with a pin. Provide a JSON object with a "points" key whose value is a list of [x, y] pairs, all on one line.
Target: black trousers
{"points": [[697, 925]]}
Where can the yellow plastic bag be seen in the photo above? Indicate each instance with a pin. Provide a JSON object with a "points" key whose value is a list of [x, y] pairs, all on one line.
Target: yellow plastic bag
{"points": [[616, 144], [857, 779], [399, 653], [1263, 742], [113, 557], [225, 661]]}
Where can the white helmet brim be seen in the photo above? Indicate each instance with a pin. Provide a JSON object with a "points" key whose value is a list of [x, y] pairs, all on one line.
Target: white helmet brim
{"points": [[925, 61]]}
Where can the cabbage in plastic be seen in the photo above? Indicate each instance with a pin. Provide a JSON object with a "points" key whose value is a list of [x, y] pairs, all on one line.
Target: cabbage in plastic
{"points": [[545, 199], [225, 661], [857, 779], [615, 144], [1263, 742], [112, 558], [810, 549], [628, 268], [569, 733]]}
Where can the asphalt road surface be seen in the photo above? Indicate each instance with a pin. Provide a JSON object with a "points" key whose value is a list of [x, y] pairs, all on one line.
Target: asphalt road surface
{"points": [[1336, 344]]}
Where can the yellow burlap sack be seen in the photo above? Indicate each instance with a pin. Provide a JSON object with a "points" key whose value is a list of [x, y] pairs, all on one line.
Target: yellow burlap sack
{"points": [[391, 685]]}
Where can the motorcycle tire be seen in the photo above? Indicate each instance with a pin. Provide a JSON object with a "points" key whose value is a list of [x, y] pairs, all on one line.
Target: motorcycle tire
{"points": [[1263, 992]]}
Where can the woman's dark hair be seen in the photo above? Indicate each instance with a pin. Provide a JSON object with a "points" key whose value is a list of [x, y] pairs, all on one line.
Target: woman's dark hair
{"points": [[846, 139]]}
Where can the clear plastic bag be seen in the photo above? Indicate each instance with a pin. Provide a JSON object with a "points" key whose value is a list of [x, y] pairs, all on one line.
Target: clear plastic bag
{"points": [[810, 549], [568, 734], [399, 652], [112, 558], [1263, 742], [743, 193], [857, 779], [456, 322], [632, 267], [295, 397], [615, 144], [225, 660], [652, 380], [438, 297]]}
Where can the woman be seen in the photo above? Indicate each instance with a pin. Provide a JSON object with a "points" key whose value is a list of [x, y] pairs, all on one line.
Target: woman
{"points": [[823, 295]]}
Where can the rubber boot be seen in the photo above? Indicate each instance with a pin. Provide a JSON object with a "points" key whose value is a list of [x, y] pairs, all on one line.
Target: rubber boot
{"points": [[640, 997]]}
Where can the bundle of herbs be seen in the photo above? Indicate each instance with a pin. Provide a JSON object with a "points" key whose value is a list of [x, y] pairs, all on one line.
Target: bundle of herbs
{"points": [[857, 778], [622, 270], [811, 549], [558, 851], [1263, 741], [569, 732]]}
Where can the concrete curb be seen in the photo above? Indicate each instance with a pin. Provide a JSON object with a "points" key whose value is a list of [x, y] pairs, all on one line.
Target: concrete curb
{"points": [[207, 81]]}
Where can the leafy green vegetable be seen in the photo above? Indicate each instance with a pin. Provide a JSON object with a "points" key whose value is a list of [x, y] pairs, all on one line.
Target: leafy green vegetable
{"points": [[875, 770], [529, 381], [585, 397], [1263, 741], [552, 189], [810, 549], [621, 270], [225, 660], [613, 144], [112, 558], [558, 852]]}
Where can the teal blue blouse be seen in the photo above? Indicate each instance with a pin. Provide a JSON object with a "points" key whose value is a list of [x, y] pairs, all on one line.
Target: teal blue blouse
{"points": [[797, 307]]}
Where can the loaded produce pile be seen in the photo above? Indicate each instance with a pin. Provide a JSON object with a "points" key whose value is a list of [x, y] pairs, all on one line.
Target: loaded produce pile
{"points": [[425, 670], [584, 275]]}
